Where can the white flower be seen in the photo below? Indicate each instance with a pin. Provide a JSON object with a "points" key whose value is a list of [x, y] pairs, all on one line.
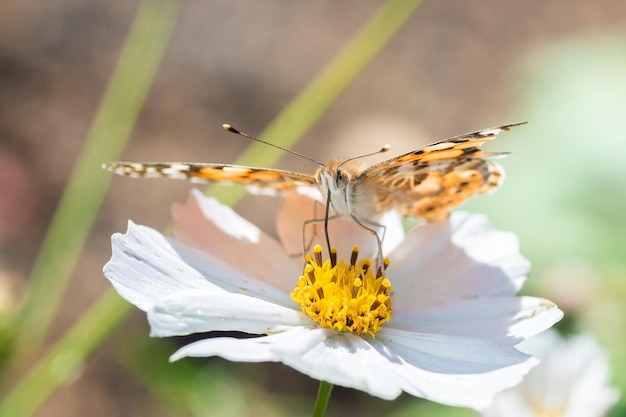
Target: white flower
{"points": [[572, 380], [456, 317]]}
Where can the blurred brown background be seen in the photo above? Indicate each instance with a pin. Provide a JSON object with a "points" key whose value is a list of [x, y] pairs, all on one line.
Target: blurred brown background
{"points": [[457, 66]]}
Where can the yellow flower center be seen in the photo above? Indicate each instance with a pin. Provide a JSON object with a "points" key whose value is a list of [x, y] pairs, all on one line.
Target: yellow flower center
{"points": [[545, 413], [344, 296]]}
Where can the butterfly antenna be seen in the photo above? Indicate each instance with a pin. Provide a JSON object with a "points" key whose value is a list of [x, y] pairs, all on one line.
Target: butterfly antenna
{"points": [[231, 129], [384, 149]]}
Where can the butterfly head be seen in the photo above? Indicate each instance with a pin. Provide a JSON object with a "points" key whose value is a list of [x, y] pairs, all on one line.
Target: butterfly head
{"points": [[336, 175], [335, 179]]}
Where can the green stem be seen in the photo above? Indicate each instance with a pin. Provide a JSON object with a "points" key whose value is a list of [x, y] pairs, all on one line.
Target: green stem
{"points": [[85, 191], [323, 396], [61, 362]]}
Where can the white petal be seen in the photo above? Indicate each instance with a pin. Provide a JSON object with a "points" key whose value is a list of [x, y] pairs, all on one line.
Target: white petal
{"points": [[591, 395], [463, 257], [510, 403], [208, 214], [393, 232], [205, 224], [339, 358], [572, 380], [574, 375], [503, 319], [144, 268], [257, 349], [294, 210], [230, 278], [197, 311], [453, 370]]}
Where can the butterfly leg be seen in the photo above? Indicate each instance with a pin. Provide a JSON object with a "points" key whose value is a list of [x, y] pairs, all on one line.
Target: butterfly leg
{"points": [[380, 226], [365, 224], [379, 257], [306, 246], [312, 222]]}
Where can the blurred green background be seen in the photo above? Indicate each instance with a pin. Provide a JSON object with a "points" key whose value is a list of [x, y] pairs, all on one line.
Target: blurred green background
{"points": [[454, 67]]}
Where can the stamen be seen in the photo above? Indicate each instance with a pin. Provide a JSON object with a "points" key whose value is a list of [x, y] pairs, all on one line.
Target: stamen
{"points": [[309, 270], [344, 296], [317, 251], [366, 266], [385, 287], [381, 269], [354, 256]]}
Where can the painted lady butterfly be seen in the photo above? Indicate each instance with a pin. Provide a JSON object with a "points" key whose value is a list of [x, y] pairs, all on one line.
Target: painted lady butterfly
{"points": [[425, 183]]}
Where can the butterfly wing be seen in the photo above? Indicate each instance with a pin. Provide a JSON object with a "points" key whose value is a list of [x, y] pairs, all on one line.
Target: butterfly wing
{"points": [[430, 181], [258, 180]]}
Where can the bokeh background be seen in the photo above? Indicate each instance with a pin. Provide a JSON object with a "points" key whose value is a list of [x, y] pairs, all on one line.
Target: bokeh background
{"points": [[456, 66]]}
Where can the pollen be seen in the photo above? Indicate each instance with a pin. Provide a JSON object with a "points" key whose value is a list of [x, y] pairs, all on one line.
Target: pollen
{"points": [[346, 296]]}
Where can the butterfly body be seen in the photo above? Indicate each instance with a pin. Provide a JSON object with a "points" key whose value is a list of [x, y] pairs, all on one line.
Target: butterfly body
{"points": [[425, 183], [336, 181]]}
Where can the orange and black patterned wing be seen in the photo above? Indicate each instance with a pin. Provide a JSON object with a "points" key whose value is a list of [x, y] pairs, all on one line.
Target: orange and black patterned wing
{"points": [[258, 180], [428, 182]]}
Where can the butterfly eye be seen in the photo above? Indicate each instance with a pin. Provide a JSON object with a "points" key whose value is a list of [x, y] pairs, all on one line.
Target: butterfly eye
{"points": [[341, 178]]}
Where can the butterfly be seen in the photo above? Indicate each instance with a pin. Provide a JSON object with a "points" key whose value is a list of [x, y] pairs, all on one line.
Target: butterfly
{"points": [[425, 183]]}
